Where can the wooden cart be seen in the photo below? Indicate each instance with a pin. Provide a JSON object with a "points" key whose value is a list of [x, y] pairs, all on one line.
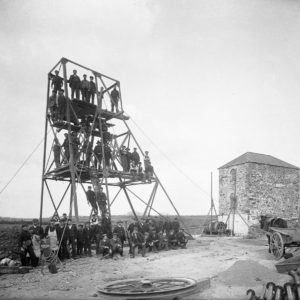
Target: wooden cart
{"points": [[282, 238]]}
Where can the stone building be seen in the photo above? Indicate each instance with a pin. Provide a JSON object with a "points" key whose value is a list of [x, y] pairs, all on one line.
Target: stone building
{"points": [[262, 184]]}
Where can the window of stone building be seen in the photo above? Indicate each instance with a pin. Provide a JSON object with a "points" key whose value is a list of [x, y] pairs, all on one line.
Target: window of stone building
{"points": [[233, 175]]}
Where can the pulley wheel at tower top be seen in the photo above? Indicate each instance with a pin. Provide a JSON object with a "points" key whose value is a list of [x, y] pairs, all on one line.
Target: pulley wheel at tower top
{"points": [[152, 288]]}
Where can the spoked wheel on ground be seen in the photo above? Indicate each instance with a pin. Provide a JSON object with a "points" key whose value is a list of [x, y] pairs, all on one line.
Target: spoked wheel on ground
{"points": [[277, 245], [153, 288]]}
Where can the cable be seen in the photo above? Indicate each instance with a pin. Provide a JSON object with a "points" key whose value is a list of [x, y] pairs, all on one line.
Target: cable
{"points": [[22, 165], [174, 165]]}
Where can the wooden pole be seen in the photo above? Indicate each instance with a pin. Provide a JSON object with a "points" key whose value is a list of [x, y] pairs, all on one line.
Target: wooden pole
{"points": [[45, 149], [73, 197], [131, 206], [105, 171]]}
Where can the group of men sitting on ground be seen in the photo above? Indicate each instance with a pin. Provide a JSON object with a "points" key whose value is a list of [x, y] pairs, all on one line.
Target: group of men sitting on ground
{"points": [[71, 241]]}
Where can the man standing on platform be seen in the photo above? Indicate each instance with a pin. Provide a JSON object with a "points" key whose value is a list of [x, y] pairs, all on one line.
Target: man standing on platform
{"points": [[74, 84], [65, 145], [92, 90], [91, 198], [61, 105], [57, 82], [115, 96], [135, 157], [98, 155], [85, 86], [102, 201], [56, 152]]}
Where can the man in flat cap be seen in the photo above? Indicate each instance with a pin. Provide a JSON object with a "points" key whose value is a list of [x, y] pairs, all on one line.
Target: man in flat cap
{"points": [[92, 90], [115, 96], [57, 82], [85, 86], [74, 84]]}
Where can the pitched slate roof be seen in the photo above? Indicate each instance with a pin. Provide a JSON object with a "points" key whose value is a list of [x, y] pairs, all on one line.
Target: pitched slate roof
{"points": [[251, 157]]}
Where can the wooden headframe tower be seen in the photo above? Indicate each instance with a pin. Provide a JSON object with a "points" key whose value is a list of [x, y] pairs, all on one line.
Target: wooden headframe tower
{"points": [[90, 123]]}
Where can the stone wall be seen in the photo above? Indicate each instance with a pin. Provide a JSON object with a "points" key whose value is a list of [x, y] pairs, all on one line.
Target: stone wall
{"points": [[260, 189], [227, 187], [273, 190]]}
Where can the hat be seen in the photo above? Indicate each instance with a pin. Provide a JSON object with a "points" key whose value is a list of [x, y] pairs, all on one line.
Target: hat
{"points": [[92, 77], [84, 75], [56, 71], [35, 220], [69, 220]]}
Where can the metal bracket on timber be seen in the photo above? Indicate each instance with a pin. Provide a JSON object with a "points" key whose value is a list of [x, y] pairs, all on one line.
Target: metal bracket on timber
{"points": [[87, 149]]}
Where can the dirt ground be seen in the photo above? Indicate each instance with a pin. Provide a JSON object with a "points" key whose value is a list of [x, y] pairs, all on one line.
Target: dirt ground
{"points": [[233, 265]]}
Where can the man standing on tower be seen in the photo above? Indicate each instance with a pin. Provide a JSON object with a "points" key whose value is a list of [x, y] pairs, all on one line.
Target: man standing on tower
{"points": [[56, 152], [74, 84], [92, 90], [85, 86], [57, 82], [91, 198], [101, 200], [115, 96], [98, 155]]}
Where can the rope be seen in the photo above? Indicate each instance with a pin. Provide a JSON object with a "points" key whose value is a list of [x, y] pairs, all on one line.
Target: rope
{"points": [[170, 161], [22, 165]]}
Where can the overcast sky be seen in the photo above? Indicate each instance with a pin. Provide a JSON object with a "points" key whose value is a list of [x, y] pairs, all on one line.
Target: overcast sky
{"points": [[206, 80]]}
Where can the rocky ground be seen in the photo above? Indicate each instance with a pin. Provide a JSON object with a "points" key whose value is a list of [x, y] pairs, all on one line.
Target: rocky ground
{"points": [[233, 265]]}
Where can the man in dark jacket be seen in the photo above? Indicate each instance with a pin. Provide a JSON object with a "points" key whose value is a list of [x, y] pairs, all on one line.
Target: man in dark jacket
{"points": [[61, 105], [98, 155], [181, 239], [66, 147], [80, 239], [91, 198], [74, 84], [62, 236], [72, 236], [119, 230], [116, 245], [135, 156], [175, 225], [25, 246], [35, 228], [56, 152], [102, 202], [115, 96], [57, 82], [106, 226], [92, 90], [137, 241], [87, 236], [105, 247], [97, 235]]}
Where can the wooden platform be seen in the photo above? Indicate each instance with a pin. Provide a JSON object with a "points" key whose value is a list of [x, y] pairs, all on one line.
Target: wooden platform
{"points": [[83, 109], [63, 173]]}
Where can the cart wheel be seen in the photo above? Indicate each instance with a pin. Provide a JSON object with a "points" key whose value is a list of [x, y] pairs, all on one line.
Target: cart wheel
{"points": [[159, 288], [277, 245]]}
